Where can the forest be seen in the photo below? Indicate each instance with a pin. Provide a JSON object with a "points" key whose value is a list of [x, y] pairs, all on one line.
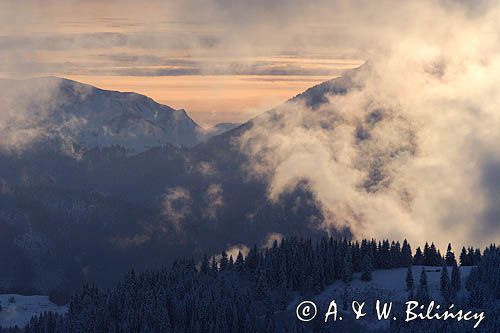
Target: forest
{"points": [[254, 293]]}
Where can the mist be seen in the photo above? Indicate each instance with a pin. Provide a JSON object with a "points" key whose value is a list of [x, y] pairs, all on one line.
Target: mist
{"points": [[411, 150]]}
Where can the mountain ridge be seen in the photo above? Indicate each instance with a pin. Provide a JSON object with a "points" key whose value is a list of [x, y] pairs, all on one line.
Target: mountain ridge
{"points": [[95, 117], [64, 220]]}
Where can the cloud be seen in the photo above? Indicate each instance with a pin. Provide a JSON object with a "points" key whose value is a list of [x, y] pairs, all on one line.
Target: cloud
{"points": [[233, 251], [214, 201], [206, 168], [124, 242], [27, 109], [221, 39], [410, 149], [271, 238], [176, 206]]}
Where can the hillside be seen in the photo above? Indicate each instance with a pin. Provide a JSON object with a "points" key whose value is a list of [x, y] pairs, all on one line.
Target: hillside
{"points": [[65, 217]]}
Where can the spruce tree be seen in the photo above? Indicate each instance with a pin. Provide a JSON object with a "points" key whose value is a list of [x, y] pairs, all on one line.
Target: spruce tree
{"points": [[463, 257], [205, 265], [434, 256], [423, 289], [262, 287], [477, 257], [455, 280], [444, 284], [347, 269], [418, 259], [409, 282], [230, 264], [406, 257], [252, 260], [239, 265], [224, 262], [367, 268], [214, 265], [450, 256], [470, 256], [427, 255], [346, 297]]}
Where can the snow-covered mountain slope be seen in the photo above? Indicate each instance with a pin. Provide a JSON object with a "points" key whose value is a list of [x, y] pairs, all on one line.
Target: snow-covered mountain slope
{"points": [[388, 285], [18, 309], [66, 110]]}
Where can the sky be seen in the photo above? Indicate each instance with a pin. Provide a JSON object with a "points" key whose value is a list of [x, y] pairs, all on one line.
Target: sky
{"points": [[426, 100], [222, 61]]}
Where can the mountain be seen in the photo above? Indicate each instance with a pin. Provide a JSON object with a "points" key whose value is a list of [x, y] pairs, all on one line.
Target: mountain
{"points": [[91, 117], [64, 220], [217, 129]]}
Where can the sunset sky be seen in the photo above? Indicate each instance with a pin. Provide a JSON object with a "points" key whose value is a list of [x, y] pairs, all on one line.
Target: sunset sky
{"points": [[220, 60]]}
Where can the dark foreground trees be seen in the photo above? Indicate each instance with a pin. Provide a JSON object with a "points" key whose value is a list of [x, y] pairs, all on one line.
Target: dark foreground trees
{"points": [[244, 295]]}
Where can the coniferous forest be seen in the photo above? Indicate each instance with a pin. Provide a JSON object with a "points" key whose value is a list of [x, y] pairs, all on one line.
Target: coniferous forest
{"points": [[258, 292]]}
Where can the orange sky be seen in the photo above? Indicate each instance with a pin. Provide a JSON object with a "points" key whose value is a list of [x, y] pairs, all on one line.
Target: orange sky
{"points": [[210, 99], [225, 63]]}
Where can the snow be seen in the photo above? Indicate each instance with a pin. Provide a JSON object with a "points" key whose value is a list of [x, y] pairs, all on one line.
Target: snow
{"points": [[387, 285], [74, 112], [20, 312], [390, 284]]}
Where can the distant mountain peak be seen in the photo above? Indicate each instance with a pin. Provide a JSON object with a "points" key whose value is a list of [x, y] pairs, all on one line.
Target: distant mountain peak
{"points": [[94, 117]]}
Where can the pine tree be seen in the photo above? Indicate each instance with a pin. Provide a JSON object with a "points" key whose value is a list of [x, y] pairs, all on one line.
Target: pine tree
{"points": [[283, 297], [463, 257], [224, 262], [434, 256], [252, 260], [205, 265], [427, 255], [240, 262], [450, 256], [418, 259], [262, 286], [444, 284], [423, 289], [347, 269], [409, 282], [470, 256], [385, 255], [477, 257], [455, 280], [214, 265], [406, 256], [367, 268], [346, 297], [269, 314]]}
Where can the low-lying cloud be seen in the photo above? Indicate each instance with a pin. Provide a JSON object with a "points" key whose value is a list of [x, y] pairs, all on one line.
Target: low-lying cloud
{"points": [[176, 206], [214, 201], [27, 115], [410, 149]]}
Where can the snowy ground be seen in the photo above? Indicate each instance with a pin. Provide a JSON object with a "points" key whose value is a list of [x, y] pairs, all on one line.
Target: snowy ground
{"points": [[391, 283], [386, 285], [20, 312]]}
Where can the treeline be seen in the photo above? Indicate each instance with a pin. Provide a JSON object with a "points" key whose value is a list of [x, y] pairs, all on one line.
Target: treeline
{"points": [[482, 284], [227, 294]]}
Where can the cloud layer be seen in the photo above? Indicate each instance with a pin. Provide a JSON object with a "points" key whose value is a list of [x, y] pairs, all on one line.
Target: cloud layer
{"points": [[412, 149]]}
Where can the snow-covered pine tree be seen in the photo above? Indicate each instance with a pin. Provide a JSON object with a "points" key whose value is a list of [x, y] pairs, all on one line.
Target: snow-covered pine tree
{"points": [[455, 280], [444, 284], [450, 256], [347, 269], [409, 283], [366, 268], [423, 289]]}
